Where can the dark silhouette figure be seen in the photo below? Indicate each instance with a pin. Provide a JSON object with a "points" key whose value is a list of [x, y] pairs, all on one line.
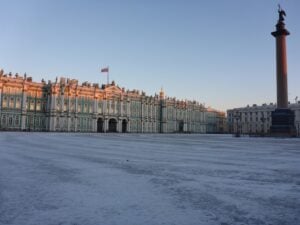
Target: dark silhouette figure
{"points": [[282, 14]]}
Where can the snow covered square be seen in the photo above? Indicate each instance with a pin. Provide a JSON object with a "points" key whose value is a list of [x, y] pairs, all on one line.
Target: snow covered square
{"points": [[148, 179]]}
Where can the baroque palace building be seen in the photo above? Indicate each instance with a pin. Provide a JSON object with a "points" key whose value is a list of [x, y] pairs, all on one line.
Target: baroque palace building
{"points": [[65, 105], [257, 119]]}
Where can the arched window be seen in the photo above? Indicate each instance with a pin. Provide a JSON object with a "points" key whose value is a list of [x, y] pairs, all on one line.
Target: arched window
{"points": [[4, 102]]}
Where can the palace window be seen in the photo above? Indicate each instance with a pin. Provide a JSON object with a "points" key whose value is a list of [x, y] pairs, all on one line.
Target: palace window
{"points": [[38, 106], [31, 105], [99, 107], [4, 102], [4, 119], [17, 121], [84, 123], [10, 121], [31, 120], [43, 122], [107, 106], [18, 103], [58, 104], [85, 108], [57, 122], [65, 124], [12, 103], [79, 122], [37, 121], [65, 106], [72, 106], [44, 106]]}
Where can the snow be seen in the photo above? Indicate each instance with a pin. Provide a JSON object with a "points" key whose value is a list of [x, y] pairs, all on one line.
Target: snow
{"points": [[134, 179]]}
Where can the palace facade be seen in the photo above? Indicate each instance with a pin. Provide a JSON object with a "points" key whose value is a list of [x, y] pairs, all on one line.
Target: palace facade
{"points": [[67, 106]]}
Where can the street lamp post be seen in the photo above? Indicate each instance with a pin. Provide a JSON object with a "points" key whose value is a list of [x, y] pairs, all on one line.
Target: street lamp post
{"points": [[237, 117], [263, 119]]}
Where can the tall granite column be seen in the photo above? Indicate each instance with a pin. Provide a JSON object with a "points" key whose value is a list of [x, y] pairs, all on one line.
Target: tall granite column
{"points": [[281, 62], [282, 118]]}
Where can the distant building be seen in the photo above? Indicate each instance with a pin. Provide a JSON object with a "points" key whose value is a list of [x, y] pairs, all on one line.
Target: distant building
{"points": [[216, 121], [65, 105], [257, 119]]}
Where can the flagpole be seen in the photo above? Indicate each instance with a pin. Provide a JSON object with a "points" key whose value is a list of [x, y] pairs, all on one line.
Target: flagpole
{"points": [[106, 70], [107, 75]]}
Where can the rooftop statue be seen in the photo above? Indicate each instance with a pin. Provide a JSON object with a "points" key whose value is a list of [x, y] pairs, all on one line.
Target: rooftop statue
{"points": [[282, 13]]}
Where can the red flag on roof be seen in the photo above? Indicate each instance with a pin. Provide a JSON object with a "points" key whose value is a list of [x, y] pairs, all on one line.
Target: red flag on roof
{"points": [[104, 70]]}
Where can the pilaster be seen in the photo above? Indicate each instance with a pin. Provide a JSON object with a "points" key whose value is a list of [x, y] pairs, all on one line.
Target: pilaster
{"points": [[105, 124], [23, 108], [128, 109], [53, 113]]}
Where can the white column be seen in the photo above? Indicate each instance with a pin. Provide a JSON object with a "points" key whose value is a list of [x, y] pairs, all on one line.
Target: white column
{"points": [[62, 103], [119, 126], [95, 107], [108, 107], [23, 114], [76, 111], [0, 99], [95, 113], [104, 107], [52, 122], [121, 108], [69, 113], [105, 124], [128, 109], [69, 123]]}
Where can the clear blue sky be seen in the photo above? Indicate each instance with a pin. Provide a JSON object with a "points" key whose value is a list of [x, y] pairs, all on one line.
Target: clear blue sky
{"points": [[219, 52]]}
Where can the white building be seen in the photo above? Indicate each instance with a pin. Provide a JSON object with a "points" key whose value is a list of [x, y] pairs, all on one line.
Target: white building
{"points": [[257, 119]]}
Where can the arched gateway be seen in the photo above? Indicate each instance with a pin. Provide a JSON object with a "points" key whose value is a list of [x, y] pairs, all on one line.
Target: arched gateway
{"points": [[181, 126], [124, 126], [112, 125]]}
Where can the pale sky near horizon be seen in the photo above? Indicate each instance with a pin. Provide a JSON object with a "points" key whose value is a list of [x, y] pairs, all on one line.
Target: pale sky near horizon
{"points": [[217, 52]]}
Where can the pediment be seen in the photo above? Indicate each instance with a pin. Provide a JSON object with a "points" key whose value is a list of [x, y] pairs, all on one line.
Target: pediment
{"points": [[113, 90]]}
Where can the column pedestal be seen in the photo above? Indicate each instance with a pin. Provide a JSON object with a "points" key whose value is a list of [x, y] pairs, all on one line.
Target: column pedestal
{"points": [[283, 123]]}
